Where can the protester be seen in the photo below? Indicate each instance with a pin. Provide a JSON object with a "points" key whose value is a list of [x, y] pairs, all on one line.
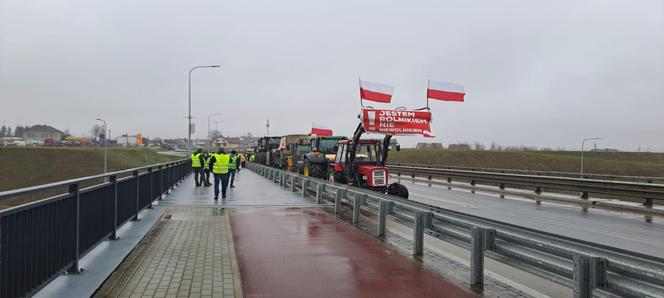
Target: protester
{"points": [[218, 164]]}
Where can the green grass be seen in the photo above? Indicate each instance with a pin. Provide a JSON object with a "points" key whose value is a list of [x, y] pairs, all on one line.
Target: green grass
{"points": [[613, 163], [23, 167]]}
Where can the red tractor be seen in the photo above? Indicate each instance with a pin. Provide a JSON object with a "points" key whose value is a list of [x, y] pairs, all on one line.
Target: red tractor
{"points": [[362, 163]]}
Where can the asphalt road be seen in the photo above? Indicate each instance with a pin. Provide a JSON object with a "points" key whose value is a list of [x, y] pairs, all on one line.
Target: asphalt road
{"points": [[625, 231]]}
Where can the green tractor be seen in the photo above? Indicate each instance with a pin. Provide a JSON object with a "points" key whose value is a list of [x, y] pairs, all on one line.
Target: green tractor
{"points": [[323, 151]]}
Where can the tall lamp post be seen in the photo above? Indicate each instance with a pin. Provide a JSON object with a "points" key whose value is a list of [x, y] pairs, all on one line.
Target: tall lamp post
{"points": [[105, 145], [582, 147], [189, 117], [208, 134]]}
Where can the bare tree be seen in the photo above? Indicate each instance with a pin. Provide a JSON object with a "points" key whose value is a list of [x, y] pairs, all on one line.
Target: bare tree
{"points": [[96, 130], [215, 134]]}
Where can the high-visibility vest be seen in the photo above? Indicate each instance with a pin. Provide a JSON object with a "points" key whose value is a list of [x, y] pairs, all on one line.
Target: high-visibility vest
{"points": [[196, 160], [207, 162], [252, 158], [220, 165], [233, 163]]}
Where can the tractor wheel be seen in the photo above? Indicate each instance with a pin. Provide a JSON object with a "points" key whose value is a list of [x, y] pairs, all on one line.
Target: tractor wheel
{"points": [[314, 170], [337, 177], [398, 189]]}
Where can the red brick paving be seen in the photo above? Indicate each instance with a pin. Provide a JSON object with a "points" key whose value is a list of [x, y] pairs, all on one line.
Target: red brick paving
{"points": [[304, 252]]}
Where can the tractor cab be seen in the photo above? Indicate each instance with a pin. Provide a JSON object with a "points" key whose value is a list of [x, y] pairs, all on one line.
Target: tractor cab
{"points": [[361, 162]]}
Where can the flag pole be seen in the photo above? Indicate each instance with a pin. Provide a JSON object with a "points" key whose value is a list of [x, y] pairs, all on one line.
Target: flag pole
{"points": [[359, 83], [427, 94]]}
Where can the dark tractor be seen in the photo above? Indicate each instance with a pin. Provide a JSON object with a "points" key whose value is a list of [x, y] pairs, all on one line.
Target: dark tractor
{"points": [[362, 163], [322, 153], [266, 150]]}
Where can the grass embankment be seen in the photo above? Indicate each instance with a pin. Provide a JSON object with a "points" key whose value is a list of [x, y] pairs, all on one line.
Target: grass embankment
{"points": [[23, 167], [612, 163]]}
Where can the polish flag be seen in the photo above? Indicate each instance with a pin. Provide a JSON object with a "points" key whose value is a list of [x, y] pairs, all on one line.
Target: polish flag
{"points": [[376, 91], [445, 91], [320, 130]]}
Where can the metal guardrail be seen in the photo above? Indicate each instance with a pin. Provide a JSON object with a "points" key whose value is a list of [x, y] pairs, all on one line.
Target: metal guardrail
{"points": [[626, 178], [646, 191], [43, 239], [590, 269]]}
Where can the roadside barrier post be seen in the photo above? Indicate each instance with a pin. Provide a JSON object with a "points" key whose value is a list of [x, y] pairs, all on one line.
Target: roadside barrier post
{"points": [[305, 182], [582, 280], [151, 175], [341, 193], [384, 209], [292, 183], [422, 221], [114, 180], [74, 191], [138, 195], [161, 184], [477, 258], [598, 272], [319, 193], [357, 206]]}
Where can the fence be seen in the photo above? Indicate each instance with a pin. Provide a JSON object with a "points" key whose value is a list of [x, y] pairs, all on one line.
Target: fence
{"points": [[589, 268], [46, 238]]}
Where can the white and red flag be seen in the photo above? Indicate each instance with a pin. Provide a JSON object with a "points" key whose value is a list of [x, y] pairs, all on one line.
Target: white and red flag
{"points": [[320, 130], [445, 91], [376, 91]]}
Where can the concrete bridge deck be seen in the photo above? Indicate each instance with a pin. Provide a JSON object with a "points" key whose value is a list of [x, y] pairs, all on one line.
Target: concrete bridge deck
{"points": [[262, 241]]}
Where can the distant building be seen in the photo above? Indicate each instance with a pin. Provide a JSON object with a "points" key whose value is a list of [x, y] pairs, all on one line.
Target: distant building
{"points": [[127, 140], [39, 133], [227, 143], [459, 146], [429, 146]]}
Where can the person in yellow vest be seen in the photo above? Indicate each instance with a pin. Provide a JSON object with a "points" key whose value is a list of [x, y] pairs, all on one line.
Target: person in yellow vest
{"points": [[233, 167], [206, 169], [243, 160], [219, 166], [252, 158], [197, 163]]}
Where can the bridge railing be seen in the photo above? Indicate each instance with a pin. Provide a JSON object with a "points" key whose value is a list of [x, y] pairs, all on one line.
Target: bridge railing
{"points": [[586, 267], [45, 238], [647, 193], [625, 178]]}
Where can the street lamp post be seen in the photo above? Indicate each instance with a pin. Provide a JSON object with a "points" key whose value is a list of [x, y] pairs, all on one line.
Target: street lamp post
{"points": [[105, 145], [208, 133], [189, 117], [582, 147]]}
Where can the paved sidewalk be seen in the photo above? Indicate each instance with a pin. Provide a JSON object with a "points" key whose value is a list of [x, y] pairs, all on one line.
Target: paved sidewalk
{"points": [[189, 253]]}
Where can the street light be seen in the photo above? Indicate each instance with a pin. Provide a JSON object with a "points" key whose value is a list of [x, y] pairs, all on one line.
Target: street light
{"points": [[189, 117], [582, 144], [105, 144], [208, 134]]}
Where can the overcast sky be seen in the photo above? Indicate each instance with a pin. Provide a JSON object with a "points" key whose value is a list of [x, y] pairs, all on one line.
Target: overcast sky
{"points": [[541, 73]]}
